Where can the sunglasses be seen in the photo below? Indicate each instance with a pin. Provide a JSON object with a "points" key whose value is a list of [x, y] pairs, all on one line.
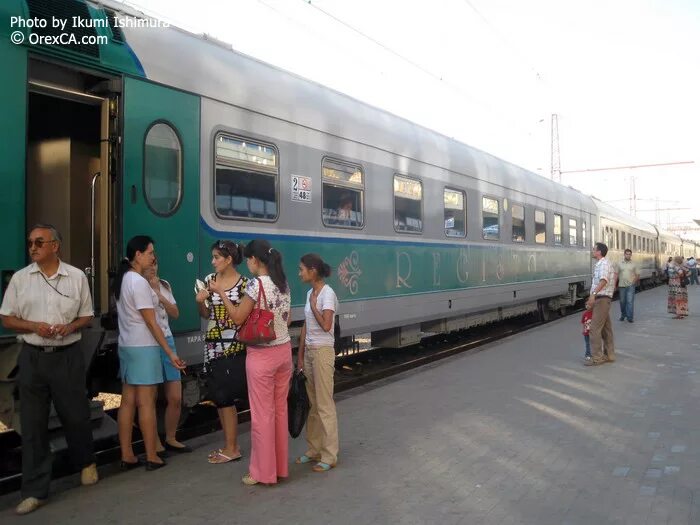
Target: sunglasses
{"points": [[37, 242]]}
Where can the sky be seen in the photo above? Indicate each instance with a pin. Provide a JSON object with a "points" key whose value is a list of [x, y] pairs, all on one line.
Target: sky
{"points": [[622, 76]]}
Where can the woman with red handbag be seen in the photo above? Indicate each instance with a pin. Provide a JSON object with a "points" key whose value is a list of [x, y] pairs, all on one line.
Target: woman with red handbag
{"points": [[265, 314]]}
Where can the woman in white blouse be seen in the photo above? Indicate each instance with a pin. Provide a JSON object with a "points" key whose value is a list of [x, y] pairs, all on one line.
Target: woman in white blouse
{"points": [[141, 341], [317, 358], [166, 309]]}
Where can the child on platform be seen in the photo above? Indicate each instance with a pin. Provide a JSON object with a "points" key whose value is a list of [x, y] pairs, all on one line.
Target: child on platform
{"points": [[586, 319]]}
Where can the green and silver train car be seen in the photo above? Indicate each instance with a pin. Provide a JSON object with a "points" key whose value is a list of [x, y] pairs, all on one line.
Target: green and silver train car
{"points": [[138, 128]]}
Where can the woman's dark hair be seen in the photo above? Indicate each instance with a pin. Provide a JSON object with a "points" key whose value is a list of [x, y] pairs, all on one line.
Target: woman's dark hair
{"points": [[229, 249], [266, 254], [136, 244], [313, 261]]}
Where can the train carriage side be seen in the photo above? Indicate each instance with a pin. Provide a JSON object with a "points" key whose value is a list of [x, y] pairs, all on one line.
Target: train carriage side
{"points": [[620, 231], [438, 236], [670, 245]]}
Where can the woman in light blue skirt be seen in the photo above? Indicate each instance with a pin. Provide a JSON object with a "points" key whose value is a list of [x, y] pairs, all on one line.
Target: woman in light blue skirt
{"points": [[141, 340], [166, 308]]}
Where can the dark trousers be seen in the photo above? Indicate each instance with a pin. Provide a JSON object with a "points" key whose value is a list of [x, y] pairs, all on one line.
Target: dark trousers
{"points": [[58, 377]]}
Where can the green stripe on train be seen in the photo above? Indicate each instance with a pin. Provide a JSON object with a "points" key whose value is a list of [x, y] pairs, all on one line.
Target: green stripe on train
{"points": [[388, 269]]}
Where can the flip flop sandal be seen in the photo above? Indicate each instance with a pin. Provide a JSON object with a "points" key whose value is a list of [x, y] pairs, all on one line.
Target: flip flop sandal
{"points": [[322, 467], [304, 459], [223, 458], [214, 453]]}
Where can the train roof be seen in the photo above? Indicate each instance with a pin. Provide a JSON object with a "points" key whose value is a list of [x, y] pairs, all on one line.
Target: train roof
{"points": [[208, 67], [615, 214]]}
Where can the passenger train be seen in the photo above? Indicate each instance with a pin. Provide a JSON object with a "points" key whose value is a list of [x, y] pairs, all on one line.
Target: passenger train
{"points": [[154, 130]]}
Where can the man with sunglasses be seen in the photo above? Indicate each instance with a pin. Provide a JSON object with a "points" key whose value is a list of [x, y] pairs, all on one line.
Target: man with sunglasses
{"points": [[48, 303]]}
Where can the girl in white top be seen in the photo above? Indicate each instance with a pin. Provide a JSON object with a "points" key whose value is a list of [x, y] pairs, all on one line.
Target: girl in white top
{"points": [[166, 308], [317, 358], [140, 342], [268, 366]]}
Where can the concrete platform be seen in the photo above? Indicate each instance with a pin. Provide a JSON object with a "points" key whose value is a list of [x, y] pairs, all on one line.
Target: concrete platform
{"points": [[519, 432]]}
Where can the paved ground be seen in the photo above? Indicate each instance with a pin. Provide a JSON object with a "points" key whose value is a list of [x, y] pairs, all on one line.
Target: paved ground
{"points": [[520, 432]]}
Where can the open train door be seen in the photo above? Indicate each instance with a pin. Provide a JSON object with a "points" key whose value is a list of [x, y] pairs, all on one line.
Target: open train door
{"points": [[161, 183]]}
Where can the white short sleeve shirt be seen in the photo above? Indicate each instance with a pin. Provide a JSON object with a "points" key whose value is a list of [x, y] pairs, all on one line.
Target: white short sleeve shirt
{"points": [[315, 335], [56, 299], [136, 294], [161, 313]]}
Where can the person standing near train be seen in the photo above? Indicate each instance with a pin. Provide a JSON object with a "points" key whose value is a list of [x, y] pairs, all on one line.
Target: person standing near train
{"points": [[677, 288], [628, 278], [317, 358], [226, 284], [142, 344], [602, 289], [692, 265], [48, 303], [166, 308], [268, 365]]}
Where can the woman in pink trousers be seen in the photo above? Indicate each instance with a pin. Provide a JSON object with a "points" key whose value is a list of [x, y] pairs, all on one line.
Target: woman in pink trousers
{"points": [[268, 366]]}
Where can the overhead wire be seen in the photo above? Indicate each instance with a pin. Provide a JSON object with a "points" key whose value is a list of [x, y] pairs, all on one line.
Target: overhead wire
{"points": [[454, 87]]}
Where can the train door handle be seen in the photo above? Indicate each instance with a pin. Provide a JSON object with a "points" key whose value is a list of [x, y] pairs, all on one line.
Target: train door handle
{"points": [[133, 194]]}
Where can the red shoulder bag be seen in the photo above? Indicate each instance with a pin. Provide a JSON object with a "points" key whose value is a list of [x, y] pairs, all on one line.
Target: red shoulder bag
{"points": [[259, 327]]}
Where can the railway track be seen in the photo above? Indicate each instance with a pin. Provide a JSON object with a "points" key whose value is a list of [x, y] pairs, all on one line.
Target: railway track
{"points": [[353, 369]]}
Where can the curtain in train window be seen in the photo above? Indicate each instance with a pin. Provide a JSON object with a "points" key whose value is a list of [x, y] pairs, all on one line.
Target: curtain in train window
{"points": [[162, 169], [455, 213], [408, 205], [557, 228], [343, 194], [518, 214], [247, 174], [540, 227], [573, 232]]}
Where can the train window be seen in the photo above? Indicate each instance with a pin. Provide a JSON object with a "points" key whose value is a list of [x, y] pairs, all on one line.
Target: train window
{"points": [[583, 233], [162, 169], [557, 229], [622, 241], [408, 205], [455, 213], [247, 174], [617, 239], [343, 192], [518, 213], [540, 227], [573, 232], [491, 213]]}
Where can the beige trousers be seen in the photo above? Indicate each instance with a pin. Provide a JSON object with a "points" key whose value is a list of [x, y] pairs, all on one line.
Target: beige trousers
{"points": [[601, 330], [322, 423]]}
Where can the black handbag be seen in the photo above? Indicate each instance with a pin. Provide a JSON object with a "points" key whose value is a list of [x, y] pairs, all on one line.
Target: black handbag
{"points": [[297, 403], [226, 380], [684, 281]]}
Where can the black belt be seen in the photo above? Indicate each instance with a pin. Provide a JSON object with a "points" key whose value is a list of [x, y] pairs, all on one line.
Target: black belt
{"points": [[603, 297], [49, 349]]}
